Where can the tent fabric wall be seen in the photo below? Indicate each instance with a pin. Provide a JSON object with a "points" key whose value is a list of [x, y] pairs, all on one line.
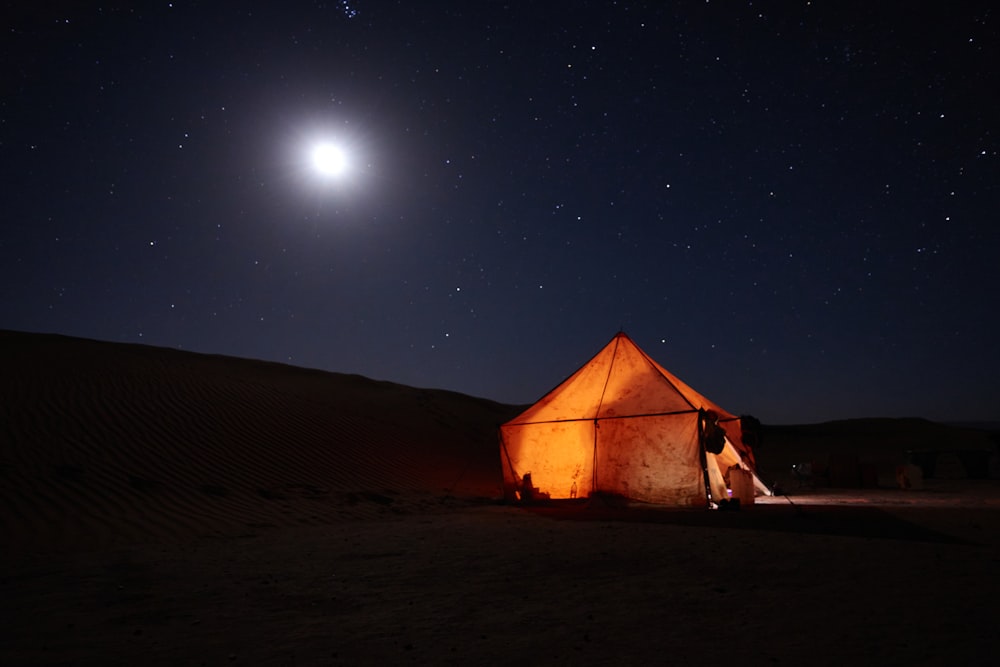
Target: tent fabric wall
{"points": [[621, 424], [651, 458], [565, 471]]}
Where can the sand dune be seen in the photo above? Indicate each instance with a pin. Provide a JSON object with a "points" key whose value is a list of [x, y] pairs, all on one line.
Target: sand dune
{"points": [[162, 507], [881, 444], [111, 443]]}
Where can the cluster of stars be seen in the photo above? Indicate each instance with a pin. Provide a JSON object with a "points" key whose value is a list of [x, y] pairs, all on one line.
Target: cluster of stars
{"points": [[728, 182]]}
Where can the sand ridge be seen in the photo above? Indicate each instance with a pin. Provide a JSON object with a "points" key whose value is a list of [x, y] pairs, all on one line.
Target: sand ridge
{"points": [[109, 443]]}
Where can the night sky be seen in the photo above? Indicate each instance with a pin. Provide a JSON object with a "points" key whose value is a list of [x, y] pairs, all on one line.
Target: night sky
{"points": [[792, 206]]}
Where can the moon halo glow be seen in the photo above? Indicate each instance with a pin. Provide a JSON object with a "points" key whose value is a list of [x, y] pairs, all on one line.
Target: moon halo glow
{"points": [[329, 159]]}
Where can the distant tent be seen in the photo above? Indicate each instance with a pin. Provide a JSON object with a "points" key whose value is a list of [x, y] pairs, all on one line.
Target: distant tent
{"points": [[624, 425]]}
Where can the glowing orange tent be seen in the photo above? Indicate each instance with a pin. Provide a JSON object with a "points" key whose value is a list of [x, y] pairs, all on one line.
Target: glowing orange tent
{"points": [[624, 425]]}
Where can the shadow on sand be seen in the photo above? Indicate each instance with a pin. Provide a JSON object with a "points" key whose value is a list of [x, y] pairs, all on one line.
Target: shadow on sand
{"points": [[792, 517]]}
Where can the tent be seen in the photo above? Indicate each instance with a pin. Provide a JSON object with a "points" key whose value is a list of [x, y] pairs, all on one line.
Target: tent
{"points": [[624, 425]]}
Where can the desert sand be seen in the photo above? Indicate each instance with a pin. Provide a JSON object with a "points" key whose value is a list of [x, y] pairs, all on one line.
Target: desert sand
{"points": [[163, 507]]}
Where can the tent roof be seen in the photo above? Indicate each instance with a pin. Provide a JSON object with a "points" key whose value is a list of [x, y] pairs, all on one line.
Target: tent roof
{"points": [[620, 381]]}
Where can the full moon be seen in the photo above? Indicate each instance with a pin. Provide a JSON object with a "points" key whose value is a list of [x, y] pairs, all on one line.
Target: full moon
{"points": [[329, 159]]}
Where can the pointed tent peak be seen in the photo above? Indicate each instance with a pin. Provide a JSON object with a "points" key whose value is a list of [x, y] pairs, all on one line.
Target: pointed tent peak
{"points": [[621, 380], [633, 366], [621, 334]]}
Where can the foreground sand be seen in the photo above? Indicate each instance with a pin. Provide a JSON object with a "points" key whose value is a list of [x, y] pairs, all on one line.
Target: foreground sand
{"points": [[495, 585], [163, 508]]}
